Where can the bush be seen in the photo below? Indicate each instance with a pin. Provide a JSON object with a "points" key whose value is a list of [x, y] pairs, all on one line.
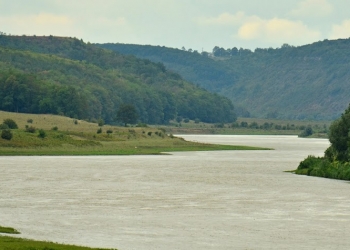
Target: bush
{"points": [[11, 123], [109, 131], [99, 131], [6, 134], [55, 128], [142, 125], [186, 120], [30, 121], [30, 129], [4, 126], [42, 133], [307, 132], [101, 122]]}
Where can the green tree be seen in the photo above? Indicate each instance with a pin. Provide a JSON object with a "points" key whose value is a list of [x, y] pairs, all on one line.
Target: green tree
{"points": [[11, 123], [339, 137], [127, 114], [6, 134]]}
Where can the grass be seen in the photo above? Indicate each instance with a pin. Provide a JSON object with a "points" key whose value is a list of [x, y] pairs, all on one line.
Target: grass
{"points": [[275, 127], [12, 243], [8, 230], [73, 137]]}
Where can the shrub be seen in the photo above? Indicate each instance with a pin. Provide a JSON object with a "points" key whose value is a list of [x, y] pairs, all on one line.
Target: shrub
{"points": [[99, 131], [11, 123], [76, 122], [186, 120], [55, 128], [30, 121], [142, 125], [101, 122], [307, 132], [4, 126], [6, 134], [149, 133], [30, 129], [42, 133], [109, 131]]}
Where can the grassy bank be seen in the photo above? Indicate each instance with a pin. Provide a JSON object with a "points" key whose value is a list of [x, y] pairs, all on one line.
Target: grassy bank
{"points": [[322, 167], [251, 126], [11, 243], [8, 230], [66, 136]]}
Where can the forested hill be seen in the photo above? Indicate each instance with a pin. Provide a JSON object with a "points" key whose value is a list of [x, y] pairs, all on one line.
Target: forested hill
{"points": [[67, 76], [306, 82]]}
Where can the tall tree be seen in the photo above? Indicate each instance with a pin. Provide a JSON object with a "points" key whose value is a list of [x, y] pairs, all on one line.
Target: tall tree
{"points": [[127, 114]]}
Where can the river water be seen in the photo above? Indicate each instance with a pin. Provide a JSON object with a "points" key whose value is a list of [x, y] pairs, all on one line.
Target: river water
{"points": [[187, 200]]}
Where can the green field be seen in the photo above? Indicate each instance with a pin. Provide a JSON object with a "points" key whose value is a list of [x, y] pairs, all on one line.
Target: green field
{"points": [[67, 136], [12, 243]]}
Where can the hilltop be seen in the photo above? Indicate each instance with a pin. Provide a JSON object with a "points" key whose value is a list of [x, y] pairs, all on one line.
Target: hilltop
{"points": [[308, 82], [66, 76]]}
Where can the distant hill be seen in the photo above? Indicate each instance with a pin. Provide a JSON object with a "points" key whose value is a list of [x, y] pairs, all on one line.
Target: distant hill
{"points": [[307, 82], [67, 76]]}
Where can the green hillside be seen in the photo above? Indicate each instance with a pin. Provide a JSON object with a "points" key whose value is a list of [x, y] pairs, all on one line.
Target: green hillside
{"points": [[306, 82], [67, 76]]}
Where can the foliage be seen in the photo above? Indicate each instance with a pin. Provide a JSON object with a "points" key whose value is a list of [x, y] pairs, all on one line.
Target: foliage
{"points": [[30, 129], [14, 243], [339, 136], [297, 83], [66, 76], [10, 123], [6, 134], [42, 133], [336, 161], [127, 114], [100, 122], [4, 126], [8, 230], [306, 132]]}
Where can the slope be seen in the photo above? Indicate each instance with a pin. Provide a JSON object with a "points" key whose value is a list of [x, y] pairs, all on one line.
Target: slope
{"points": [[306, 82], [67, 76]]}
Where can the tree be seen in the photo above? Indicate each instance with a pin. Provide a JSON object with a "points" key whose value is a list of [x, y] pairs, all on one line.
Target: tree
{"points": [[11, 123], [127, 114], [339, 137], [6, 134]]}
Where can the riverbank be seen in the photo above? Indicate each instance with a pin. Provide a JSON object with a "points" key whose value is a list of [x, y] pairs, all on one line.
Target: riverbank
{"points": [[58, 135], [13, 243]]}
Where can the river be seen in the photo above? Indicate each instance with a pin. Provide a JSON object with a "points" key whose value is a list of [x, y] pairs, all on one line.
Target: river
{"points": [[186, 200]]}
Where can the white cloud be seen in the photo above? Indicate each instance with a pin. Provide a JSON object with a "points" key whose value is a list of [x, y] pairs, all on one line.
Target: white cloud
{"points": [[224, 19], [341, 31], [40, 24], [312, 8], [277, 31]]}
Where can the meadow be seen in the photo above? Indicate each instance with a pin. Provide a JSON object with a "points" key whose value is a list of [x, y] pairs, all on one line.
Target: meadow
{"points": [[67, 136]]}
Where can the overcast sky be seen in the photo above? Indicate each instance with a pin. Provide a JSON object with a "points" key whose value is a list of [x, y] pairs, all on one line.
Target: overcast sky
{"points": [[196, 24]]}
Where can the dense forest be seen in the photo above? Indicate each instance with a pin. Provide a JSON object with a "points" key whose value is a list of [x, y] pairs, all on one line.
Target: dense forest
{"points": [[67, 76], [307, 82]]}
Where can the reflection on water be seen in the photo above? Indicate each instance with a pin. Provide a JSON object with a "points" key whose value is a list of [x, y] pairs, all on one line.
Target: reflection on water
{"points": [[187, 200]]}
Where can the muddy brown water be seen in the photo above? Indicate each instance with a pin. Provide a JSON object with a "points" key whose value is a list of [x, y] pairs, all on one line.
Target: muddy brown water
{"points": [[187, 200]]}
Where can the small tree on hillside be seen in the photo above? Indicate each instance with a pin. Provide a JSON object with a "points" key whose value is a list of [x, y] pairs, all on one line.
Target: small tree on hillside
{"points": [[11, 123], [6, 134], [127, 114]]}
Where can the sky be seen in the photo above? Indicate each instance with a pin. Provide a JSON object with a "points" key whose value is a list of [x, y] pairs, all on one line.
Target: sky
{"points": [[192, 24]]}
